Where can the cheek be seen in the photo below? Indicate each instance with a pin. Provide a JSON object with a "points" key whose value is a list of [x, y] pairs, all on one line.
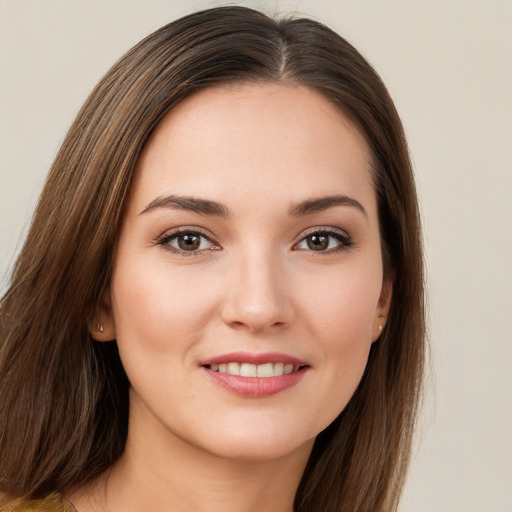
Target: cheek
{"points": [[343, 303], [156, 306], [341, 319]]}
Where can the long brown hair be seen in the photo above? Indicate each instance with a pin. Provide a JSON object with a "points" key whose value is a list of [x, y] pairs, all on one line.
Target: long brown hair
{"points": [[63, 397]]}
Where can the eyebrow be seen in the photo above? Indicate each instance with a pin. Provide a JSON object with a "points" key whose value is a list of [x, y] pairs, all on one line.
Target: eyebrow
{"points": [[323, 203], [193, 204], [208, 207]]}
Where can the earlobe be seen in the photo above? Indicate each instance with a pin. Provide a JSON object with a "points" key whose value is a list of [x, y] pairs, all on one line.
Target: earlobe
{"points": [[101, 332], [378, 328], [382, 309], [102, 327]]}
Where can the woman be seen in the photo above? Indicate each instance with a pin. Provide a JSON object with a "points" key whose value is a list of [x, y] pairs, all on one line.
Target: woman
{"points": [[219, 304]]}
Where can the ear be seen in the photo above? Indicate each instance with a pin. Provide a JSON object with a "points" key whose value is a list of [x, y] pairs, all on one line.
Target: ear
{"points": [[102, 327], [383, 306]]}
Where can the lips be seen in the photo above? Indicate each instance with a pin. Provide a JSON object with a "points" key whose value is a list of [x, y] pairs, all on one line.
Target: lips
{"points": [[265, 370], [255, 375]]}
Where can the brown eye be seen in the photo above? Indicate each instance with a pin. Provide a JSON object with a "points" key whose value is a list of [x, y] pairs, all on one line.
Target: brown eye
{"points": [[189, 242], [317, 242], [327, 241]]}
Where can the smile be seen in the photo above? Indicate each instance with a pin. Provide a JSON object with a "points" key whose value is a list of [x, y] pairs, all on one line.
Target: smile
{"points": [[255, 375], [254, 370]]}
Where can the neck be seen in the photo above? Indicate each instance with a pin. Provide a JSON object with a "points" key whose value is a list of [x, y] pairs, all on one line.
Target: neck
{"points": [[161, 472]]}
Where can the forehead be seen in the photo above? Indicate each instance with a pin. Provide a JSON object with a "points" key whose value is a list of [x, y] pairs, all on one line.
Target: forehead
{"points": [[238, 140]]}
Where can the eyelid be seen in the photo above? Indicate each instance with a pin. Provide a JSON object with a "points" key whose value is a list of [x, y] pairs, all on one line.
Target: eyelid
{"points": [[344, 239], [164, 239]]}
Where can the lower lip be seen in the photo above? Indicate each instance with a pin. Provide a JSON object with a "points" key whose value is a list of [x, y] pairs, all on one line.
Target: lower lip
{"points": [[256, 387]]}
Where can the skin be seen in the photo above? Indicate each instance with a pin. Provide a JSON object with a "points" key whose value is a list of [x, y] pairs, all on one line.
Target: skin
{"points": [[255, 284]]}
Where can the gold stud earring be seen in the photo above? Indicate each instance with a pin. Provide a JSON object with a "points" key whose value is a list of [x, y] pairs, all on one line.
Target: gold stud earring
{"points": [[380, 328]]}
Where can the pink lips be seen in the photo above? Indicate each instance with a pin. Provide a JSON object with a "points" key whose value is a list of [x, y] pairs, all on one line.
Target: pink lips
{"points": [[255, 387], [246, 357]]}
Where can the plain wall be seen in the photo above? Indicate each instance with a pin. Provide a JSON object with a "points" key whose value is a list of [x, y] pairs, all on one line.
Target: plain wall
{"points": [[448, 67]]}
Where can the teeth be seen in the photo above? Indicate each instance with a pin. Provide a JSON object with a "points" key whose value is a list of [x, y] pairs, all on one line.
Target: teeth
{"points": [[248, 370], [233, 368], [255, 370], [278, 369], [265, 370]]}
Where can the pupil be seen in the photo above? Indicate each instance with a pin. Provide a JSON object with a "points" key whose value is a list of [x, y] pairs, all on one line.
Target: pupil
{"points": [[318, 242], [189, 242]]}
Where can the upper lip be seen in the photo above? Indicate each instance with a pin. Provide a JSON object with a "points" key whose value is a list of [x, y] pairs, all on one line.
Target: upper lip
{"points": [[247, 357]]}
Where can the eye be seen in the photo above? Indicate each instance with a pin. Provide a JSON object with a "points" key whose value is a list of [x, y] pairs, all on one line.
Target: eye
{"points": [[324, 241], [187, 241]]}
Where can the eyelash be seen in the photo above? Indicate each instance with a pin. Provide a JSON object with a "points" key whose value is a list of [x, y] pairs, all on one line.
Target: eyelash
{"points": [[165, 240], [343, 239]]}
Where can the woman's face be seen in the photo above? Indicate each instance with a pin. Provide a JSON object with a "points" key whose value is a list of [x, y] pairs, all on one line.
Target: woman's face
{"points": [[249, 249]]}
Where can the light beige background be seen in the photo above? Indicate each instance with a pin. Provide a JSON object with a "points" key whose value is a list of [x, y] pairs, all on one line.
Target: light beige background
{"points": [[448, 67]]}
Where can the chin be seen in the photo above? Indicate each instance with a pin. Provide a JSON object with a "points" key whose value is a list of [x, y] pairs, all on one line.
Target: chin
{"points": [[252, 450], [256, 441]]}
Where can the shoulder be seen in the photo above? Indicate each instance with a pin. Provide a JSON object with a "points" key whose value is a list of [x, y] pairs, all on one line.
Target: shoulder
{"points": [[52, 503]]}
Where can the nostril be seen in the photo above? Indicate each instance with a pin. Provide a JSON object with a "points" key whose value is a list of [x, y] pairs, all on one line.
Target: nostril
{"points": [[247, 314]]}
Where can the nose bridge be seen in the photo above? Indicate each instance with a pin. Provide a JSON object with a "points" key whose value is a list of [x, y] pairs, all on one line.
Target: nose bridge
{"points": [[257, 298]]}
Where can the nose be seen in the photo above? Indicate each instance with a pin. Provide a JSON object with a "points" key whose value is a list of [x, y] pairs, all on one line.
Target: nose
{"points": [[258, 297]]}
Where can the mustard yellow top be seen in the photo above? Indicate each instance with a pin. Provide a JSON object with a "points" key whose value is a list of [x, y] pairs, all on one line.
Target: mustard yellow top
{"points": [[52, 503]]}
